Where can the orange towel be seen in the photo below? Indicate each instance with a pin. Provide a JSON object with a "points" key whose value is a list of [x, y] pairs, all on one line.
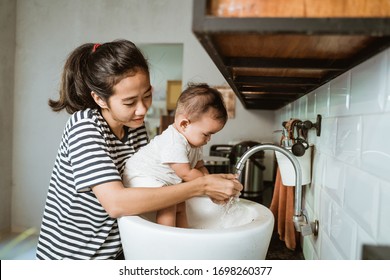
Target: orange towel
{"points": [[282, 206]]}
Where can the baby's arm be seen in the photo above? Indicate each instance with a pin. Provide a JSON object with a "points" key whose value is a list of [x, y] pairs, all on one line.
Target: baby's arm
{"points": [[186, 173], [200, 166]]}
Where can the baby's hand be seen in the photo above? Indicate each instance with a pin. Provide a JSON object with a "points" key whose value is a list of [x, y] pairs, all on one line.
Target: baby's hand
{"points": [[220, 202]]}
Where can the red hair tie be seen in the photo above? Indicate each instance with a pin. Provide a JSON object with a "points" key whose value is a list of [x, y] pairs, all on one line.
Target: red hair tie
{"points": [[95, 47]]}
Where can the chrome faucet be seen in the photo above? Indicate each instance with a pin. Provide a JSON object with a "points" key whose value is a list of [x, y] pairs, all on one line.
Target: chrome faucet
{"points": [[300, 221]]}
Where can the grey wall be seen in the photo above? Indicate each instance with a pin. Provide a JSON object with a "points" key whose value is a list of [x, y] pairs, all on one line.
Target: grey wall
{"points": [[7, 56], [46, 31]]}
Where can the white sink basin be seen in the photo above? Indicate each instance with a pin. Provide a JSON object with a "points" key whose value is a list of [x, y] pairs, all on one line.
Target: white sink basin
{"points": [[245, 233]]}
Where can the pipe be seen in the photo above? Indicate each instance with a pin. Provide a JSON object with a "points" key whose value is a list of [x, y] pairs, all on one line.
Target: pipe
{"points": [[298, 217]]}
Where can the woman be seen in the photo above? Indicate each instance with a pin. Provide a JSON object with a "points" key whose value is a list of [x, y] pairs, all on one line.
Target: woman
{"points": [[107, 90]]}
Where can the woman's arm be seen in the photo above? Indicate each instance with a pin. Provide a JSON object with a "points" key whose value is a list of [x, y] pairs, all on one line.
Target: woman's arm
{"points": [[120, 201]]}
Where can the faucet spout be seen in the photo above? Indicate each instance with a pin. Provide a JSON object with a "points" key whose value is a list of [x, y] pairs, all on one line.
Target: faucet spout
{"points": [[298, 217]]}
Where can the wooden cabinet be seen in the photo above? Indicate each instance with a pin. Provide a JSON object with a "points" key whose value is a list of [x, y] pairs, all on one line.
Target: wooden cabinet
{"points": [[272, 52]]}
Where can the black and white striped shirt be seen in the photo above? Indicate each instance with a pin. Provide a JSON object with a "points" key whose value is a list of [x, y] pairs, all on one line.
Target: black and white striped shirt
{"points": [[74, 224]]}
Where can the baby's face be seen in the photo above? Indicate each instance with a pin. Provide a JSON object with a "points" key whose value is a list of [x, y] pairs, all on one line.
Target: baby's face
{"points": [[198, 133]]}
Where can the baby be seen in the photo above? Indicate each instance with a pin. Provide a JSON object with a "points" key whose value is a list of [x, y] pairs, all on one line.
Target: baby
{"points": [[176, 154]]}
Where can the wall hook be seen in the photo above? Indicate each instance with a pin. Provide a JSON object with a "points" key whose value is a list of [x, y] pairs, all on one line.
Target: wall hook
{"points": [[306, 125]]}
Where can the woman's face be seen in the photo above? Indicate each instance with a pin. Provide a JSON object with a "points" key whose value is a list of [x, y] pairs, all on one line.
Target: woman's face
{"points": [[130, 102]]}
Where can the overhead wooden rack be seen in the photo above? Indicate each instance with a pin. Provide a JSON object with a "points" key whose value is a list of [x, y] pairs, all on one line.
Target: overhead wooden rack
{"points": [[272, 52]]}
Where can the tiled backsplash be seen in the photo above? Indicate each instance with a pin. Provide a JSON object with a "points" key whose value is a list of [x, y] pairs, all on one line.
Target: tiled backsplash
{"points": [[350, 189]]}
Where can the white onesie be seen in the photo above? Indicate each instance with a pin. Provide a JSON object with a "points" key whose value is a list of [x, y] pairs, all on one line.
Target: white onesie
{"points": [[149, 166]]}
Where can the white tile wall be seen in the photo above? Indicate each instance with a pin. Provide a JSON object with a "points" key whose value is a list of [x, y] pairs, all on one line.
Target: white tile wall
{"points": [[388, 87], [311, 106], [376, 145], [350, 189], [327, 142], [368, 85], [342, 231], [322, 100], [348, 139], [384, 214], [333, 179], [328, 251], [340, 94], [362, 238], [325, 215], [362, 208]]}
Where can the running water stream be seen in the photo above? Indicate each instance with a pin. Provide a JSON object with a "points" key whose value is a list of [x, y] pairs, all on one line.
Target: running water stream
{"points": [[232, 206], [231, 212]]}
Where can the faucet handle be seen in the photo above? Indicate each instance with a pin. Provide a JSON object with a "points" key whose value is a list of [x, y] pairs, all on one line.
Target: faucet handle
{"points": [[306, 229]]}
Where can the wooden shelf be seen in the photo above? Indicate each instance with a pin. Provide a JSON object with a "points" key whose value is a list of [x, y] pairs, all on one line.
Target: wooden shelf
{"points": [[272, 59]]}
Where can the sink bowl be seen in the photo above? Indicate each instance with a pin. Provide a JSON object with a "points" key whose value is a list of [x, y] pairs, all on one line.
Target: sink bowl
{"points": [[244, 232]]}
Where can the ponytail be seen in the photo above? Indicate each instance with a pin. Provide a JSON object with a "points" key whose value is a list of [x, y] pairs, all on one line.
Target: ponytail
{"points": [[97, 68]]}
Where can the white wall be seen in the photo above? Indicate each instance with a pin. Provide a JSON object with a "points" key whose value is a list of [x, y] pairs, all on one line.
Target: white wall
{"points": [[166, 64], [46, 31], [350, 190]]}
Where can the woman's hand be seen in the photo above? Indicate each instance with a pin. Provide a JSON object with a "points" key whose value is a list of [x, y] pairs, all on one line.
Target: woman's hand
{"points": [[220, 187]]}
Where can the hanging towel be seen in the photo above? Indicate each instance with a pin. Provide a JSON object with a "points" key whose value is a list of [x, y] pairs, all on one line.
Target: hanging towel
{"points": [[282, 206]]}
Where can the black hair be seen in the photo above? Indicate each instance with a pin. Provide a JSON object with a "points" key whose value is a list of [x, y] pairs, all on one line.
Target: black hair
{"points": [[198, 99], [96, 68]]}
